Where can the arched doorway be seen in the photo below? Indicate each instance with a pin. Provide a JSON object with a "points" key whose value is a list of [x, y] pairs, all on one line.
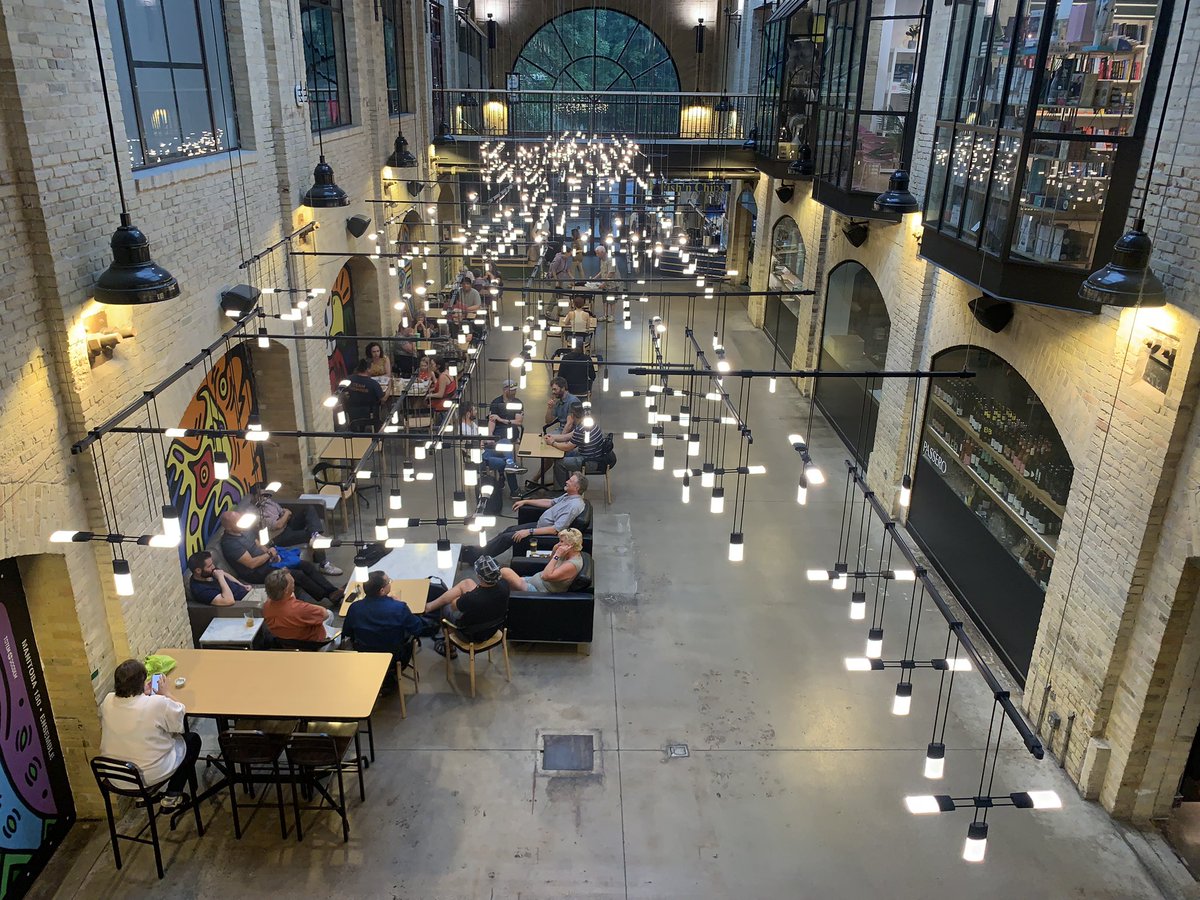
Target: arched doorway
{"points": [[854, 338], [990, 493], [782, 317], [596, 51]]}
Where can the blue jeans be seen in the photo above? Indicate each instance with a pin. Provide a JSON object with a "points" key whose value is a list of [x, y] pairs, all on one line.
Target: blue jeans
{"points": [[497, 461]]}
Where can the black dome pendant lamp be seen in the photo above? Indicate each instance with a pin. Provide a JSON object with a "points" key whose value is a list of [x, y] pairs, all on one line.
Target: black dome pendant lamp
{"points": [[133, 278], [325, 193]]}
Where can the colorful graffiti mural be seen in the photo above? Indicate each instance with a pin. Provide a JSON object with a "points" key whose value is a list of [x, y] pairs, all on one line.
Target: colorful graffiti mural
{"points": [[339, 321], [224, 400], [36, 809]]}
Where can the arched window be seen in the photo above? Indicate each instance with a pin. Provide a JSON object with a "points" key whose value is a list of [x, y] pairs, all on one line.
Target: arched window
{"points": [[594, 51], [989, 496], [787, 256], [855, 339]]}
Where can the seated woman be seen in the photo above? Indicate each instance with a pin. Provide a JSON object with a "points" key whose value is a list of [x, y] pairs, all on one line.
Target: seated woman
{"points": [[441, 394], [566, 562], [377, 361]]}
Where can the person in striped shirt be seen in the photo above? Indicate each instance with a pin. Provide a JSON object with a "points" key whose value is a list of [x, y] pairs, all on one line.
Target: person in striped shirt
{"points": [[583, 445]]}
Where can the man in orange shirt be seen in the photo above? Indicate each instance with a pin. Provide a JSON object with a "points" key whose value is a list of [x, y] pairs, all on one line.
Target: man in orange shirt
{"points": [[288, 617]]}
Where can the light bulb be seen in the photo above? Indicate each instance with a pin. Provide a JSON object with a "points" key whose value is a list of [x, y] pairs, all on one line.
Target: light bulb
{"points": [[264, 342], [659, 459], [817, 574], [443, 554], [63, 537], [858, 606], [802, 491], [924, 805], [264, 536], [814, 475], [246, 519], [360, 569], [976, 845], [459, 506], [331, 401], [273, 487], [905, 491], [717, 504], [935, 760], [857, 664], [470, 477], [220, 466], [395, 500], [840, 581], [1044, 799], [170, 522], [604, 381], [875, 643], [902, 702], [707, 476], [693, 448], [904, 574], [737, 547], [381, 530], [122, 577], [796, 440], [687, 490], [771, 385], [320, 542]]}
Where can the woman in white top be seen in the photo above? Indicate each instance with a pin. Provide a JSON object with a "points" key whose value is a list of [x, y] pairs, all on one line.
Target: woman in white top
{"points": [[146, 729]]}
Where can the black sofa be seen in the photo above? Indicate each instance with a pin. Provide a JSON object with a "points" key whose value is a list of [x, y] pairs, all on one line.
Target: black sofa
{"points": [[564, 618]]}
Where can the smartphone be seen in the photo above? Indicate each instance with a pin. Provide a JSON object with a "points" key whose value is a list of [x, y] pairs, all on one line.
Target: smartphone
{"points": [[155, 681]]}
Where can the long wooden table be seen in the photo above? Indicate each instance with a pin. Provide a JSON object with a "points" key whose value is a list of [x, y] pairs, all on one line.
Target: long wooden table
{"points": [[276, 685], [413, 591], [535, 445]]}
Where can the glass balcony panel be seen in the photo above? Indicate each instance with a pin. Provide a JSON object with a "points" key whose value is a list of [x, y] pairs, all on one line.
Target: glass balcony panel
{"points": [[880, 150], [937, 179], [1004, 171]]}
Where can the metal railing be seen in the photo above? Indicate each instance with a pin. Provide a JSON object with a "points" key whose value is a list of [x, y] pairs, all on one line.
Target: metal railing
{"points": [[693, 117]]}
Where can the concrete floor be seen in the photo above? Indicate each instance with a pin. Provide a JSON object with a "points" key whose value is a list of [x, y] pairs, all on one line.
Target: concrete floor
{"points": [[797, 771]]}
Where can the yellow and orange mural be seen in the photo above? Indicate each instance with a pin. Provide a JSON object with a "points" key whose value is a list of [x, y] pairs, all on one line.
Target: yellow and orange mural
{"points": [[224, 400], [339, 321]]}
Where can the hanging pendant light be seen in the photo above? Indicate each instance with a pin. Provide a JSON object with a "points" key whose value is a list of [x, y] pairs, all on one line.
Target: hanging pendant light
{"points": [[133, 277], [400, 157], [324, 194], [122, 577], [897, 197], [1127, 280]]}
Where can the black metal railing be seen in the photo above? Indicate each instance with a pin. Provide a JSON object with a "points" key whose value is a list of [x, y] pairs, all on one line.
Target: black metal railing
{"points": [[699, 117]]}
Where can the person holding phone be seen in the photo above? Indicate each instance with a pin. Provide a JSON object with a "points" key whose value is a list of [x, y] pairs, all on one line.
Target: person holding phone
{"points": [[141, 723]]}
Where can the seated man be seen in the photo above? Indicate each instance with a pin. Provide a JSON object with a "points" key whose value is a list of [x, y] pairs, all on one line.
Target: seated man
{"points": [[292, 529], [290, 618], [566, 562], [379, 623], [211, 585], [472, 605], [578, 369], [558, 408], [364, 398], [253, 562], [559, 513], [146, 729], [582, 446]]}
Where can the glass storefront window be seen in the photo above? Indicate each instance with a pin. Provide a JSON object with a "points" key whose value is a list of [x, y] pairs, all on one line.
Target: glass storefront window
{"points": [[782, 314], [869, 84], [789, 67], [991, 491], [855, 339], [1039, 133]]}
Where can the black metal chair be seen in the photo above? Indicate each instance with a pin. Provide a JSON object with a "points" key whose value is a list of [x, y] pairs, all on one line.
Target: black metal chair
{"points": [[313, 757], [123, 778], [252, 757]]}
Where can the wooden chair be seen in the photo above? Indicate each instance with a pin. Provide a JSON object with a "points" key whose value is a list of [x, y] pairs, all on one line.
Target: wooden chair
{"points": [[413, 675], [454, 638], [123, 778], [313, 756], [252, 758]]}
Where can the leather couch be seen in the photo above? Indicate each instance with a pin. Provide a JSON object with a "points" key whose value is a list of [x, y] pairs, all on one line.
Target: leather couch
{"points": [[565, 618], [527, 515]]}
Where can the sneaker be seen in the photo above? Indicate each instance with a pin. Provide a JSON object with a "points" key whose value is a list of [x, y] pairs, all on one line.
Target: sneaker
{"points": [[515, 470], [329, 568], [171, 801]]}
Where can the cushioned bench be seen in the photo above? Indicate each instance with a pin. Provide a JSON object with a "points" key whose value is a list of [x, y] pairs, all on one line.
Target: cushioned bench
{"points": [[565, 618]]}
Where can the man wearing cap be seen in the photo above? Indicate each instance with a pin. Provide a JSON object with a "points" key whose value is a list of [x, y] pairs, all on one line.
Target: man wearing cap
{"points": [[379, 623], [474, 605], [505, 417]]}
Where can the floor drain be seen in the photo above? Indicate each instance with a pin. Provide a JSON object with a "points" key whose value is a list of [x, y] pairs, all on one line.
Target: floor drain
{"points": [[574, 753], [677, 751]]}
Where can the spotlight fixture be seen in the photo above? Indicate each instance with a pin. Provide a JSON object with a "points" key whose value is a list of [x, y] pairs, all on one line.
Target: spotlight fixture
{"points": [[785, 192], [1127, 280], [413, 188], [444, 136], [400, 157], [358, 225], [239, 300], [856, 232], [897, 198], [324, 193]]}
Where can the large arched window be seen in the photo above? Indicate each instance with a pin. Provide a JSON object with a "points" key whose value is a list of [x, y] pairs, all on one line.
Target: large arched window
{"points": [[782, 315], [989, 496], [855, 339], [594, 51]]}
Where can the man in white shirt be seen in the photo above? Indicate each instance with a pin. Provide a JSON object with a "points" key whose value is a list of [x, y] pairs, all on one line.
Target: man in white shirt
{"points": [[146, 729]]}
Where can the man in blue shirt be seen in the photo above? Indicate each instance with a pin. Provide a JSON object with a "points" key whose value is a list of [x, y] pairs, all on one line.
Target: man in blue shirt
{"points": [[212, 585], [381, 624]]}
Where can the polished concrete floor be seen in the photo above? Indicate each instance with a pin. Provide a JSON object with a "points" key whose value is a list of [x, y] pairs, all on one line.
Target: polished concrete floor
{"points": [[796, 773]]}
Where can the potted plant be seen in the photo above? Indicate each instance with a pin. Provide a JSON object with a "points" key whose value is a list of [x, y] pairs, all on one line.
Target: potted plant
{"points": [[912, 33]]}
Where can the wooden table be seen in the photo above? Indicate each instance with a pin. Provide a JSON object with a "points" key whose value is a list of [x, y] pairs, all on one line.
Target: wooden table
{"points": [[234, 684], [332, 495], [230, 633], [413, 591], [534, 445], [338, 448]]}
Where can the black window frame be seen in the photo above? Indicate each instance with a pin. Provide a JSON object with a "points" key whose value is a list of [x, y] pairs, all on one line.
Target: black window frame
{"points": [[221, 106], [962, 247], [398, 95], [341, 65]]}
